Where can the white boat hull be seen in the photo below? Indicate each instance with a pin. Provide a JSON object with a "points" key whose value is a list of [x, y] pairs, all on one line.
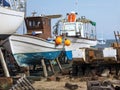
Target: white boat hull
{"points": [[80, 31], [78, 46], [83, 42], [10, 20], [29, 50]]}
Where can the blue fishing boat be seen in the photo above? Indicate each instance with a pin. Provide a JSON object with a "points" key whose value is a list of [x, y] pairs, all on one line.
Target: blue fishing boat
{"points": [[29, 50]]}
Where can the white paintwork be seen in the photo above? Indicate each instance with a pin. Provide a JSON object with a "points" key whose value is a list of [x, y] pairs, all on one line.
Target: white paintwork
{"points": [[82, 43], [10, 20], [109, 52], [81, 34], [78, 44], [29, 44], [101, 41], [79, 53]]}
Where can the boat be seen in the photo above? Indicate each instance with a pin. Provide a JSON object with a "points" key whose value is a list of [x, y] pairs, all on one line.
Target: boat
{"points": [[80, 31], [11, 16], [40, 26], [29, 50], [101, 41], [33, 46]]}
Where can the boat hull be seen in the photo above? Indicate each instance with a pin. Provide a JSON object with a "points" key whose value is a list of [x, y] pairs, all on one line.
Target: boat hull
{"points": [[78, 45], [83, 42], [68, 54], [24, 59], [29, 50], [10, 21]]}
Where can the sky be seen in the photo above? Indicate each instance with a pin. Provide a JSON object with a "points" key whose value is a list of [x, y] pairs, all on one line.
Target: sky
{"points": [[106, 13]]}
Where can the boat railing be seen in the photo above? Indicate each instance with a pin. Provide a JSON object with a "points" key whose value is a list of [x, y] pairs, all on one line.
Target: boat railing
{"points": [[4, 3], [18, 5]]}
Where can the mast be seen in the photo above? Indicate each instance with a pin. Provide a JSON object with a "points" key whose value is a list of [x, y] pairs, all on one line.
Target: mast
{"points": [[25, 7], [76, 5], [25, 10], [10, 3]]}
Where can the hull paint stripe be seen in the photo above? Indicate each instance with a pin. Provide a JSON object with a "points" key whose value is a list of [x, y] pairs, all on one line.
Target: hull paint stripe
{"points": [[10, 14]]}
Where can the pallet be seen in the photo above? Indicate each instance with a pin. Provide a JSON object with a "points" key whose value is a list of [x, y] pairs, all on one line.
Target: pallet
{"points": [[22, 84]]}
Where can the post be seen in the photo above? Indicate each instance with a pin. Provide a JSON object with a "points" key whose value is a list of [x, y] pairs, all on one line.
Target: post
{"points": [[117, 49], [44, 68], [116, 38], [60, 67], [51, 66], [3, 63]]}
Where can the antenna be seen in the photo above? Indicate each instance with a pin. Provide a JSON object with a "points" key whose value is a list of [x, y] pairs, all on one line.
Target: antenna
{"points": [[33, 13], [76, 5]]}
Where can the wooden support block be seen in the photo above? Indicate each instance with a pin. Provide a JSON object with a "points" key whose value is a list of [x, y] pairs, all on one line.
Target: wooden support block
{"points": [[5, 83], [51, 78], [71, 86], [26, 70]]}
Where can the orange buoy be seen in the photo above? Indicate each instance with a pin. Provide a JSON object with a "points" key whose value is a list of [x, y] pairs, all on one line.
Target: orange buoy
{"points": [[72, 17], [58, 40], [67, 42]]}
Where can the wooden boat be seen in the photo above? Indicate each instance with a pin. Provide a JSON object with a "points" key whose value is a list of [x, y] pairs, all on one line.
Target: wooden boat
{"points": [[80, 31], [40, 26], [11, 17], [29, 50], [101, 41]]}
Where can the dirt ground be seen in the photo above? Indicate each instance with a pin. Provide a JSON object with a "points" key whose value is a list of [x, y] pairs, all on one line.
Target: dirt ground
{"points": [[81, 82], [59, 85], [53, 85]]}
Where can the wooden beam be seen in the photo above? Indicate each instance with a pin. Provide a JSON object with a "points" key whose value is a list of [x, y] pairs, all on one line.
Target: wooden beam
{"points": [[4, 65], [51, 66], [60, 67], [44, 68]]}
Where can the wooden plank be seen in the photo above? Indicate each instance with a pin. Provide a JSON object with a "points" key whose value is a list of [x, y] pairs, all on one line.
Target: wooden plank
{"points": [[3, 63], [60, 67], [44, 68], [22, 84], [51, 66], [28, 84]]}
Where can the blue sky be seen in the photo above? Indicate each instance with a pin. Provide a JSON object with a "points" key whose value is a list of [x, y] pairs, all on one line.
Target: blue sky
{"points": [[106, 13]]}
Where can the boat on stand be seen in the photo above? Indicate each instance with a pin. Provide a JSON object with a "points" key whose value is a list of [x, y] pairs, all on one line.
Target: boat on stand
{"points": [[80, 31], [29, 50], [11, 16], [32, 47]]}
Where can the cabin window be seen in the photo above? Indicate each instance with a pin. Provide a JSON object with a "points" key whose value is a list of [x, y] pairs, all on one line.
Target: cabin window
{"points": [[70, 27], [30, 23], [38, 23], [34, 23]]}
